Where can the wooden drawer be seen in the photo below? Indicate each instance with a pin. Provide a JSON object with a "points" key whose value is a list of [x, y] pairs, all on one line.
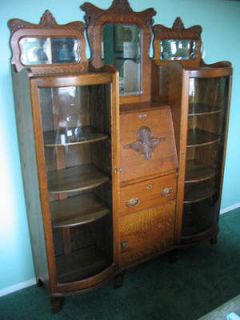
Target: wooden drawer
{"points": [[147, 194], [147, 144], [147, 232]]}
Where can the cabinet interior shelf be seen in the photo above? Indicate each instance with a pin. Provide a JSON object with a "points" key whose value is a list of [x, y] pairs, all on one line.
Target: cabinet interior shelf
{"points": [[197, 192], [202, 109], [77, 210], [198, 137], [80, 264], [74, 179], [197, 171], [81, 135]]}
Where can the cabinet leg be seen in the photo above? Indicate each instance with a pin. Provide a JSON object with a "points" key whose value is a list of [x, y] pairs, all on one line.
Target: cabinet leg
{"points": [[172, 257], [39, 283], [214, 239], [118, 280], [56, 304]]}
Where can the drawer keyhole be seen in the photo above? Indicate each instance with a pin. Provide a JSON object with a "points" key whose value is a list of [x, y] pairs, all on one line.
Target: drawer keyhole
{"points": [[124, 244]]}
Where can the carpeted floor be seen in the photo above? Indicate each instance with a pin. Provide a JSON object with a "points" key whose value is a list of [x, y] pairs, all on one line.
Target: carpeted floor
{"points": [[203, 278]]}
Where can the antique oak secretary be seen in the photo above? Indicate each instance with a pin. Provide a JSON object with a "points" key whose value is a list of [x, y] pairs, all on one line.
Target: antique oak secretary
{"points": [[118, 167]]}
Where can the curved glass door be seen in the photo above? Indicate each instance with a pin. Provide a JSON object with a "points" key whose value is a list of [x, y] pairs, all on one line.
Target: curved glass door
{"points": [[76, 123], [208, 101]]}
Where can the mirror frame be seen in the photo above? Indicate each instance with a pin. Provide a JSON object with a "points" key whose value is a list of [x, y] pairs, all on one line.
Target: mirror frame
{"points": [[177, 32], [47, 28], [120, 12]]}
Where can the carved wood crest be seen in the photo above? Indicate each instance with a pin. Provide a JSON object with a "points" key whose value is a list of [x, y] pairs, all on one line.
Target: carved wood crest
{"points": [[145, 143]]}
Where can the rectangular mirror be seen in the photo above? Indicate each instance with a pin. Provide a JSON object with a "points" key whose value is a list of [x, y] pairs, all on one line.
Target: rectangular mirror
{"points": [[175, 49], [121, 47], [38, 51]]}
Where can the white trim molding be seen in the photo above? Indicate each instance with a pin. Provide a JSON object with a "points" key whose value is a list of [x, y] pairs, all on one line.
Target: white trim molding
{"points": [[233, 207], [16, 287]]}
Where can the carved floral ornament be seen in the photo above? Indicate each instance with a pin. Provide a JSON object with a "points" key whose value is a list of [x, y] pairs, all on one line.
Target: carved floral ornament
{"points": [[145, 143]]}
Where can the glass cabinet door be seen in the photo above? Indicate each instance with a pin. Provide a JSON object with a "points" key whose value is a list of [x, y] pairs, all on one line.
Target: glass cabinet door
{"points": [[208, 101], [76, 124]]}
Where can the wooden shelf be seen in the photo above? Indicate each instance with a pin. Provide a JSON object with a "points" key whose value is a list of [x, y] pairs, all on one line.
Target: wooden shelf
{"points": [[77, 210], [74, 179], [195, 192], [80, 265], [198, 137], [85, 134], [202, 109], [196, 171]]}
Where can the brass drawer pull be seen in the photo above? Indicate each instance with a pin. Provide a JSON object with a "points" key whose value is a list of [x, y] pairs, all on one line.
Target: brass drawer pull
{"points": [[142, 116], [166, 192], [133, 202], [124, 244]]}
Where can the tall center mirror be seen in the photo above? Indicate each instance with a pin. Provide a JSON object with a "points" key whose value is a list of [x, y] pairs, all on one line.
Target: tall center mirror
{"points": [[121, 47]]}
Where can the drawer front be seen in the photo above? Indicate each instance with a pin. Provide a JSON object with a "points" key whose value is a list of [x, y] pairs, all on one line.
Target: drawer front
{"points": [[147, 144], [147, 194], [146, 233]]}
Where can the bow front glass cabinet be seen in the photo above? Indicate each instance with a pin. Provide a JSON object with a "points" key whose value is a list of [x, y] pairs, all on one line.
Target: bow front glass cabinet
{"points": [[67, 123]]}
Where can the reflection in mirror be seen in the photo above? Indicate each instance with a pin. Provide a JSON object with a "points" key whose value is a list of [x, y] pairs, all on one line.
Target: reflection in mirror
{"points": [[173, 49], [121, 47], [37, 51]]}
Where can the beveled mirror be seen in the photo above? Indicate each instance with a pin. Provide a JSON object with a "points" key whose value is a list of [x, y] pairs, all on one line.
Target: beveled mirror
{"points": [[48, 46], [121, 37], [177, 44]]}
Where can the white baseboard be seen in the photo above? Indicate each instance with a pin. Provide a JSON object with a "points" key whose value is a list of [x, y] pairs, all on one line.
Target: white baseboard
{"points": [[17, 287], [233, 207]]}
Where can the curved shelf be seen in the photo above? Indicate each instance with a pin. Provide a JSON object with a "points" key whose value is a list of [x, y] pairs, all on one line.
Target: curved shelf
{"points": [[74, 179], [196, 109], [197, 171], [199, 137], [81, 264], [83, 135], [198, 192], [77, 210]]}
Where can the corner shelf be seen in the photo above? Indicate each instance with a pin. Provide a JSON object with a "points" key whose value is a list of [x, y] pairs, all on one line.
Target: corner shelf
{"points": [[79, 178], [197, 171], [199, 137], [79, 210], [196, 109], [87, 134]]}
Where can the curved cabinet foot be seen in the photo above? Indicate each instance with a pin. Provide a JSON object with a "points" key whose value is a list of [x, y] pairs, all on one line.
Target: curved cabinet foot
{"points": [[56, 304], [39, 283], [118, 280]]}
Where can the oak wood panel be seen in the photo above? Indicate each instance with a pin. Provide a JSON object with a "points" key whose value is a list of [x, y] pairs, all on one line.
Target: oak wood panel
{"points": [[77, 210], [163, 158], [147, 194], [78, 178], [144, 233], [27, 149]]}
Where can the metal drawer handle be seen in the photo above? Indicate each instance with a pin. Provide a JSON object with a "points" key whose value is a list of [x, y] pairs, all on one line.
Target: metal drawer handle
{"points": [[142, 116], [133, 202], [166, 192], [124, 244]]}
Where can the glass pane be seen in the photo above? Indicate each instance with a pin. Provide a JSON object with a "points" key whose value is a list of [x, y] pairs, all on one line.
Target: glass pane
{"points": [[173, 49], [208, 100], [37, 51], [122, 47], [77, 139]]}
